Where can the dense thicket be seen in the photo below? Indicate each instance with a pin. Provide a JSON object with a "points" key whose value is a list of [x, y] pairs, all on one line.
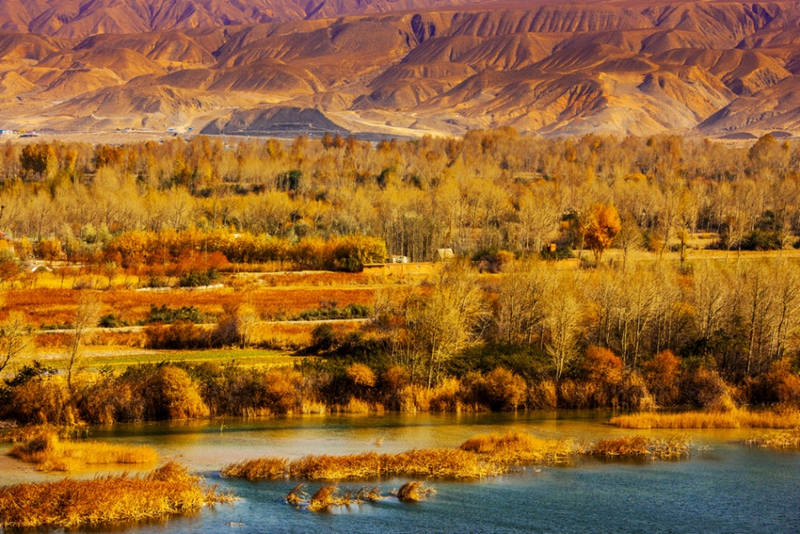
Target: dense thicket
{"points": [[489, 190], [704, 332], [705, 335]]}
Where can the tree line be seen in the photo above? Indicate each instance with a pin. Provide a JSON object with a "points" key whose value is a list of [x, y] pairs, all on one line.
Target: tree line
{"points": [[490, 190]]}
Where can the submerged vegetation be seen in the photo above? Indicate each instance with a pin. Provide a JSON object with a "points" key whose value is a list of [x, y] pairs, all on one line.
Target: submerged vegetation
{"points": [[331, 495], [168, 490], [789, 439], [414, 491]]}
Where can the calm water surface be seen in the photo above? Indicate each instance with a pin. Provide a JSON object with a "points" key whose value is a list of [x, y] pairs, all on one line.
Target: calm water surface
{"points": [[723, 487]]}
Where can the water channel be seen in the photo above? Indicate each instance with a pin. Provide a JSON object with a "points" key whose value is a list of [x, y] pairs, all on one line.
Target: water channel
{"points": [[724, 486]]}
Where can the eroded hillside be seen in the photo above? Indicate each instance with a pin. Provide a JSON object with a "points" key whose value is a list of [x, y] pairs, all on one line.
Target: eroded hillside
{"points": [[408, 67]]}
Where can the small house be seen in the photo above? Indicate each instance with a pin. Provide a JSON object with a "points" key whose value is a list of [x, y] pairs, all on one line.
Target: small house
{"points": [[443, 254]]}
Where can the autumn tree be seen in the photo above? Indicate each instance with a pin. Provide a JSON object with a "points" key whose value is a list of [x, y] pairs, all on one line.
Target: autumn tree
{"points": [[38, 161], [247, 318], [539, 215], [629, 237], [521, 302], [603, 226], [563, 320], [14, 338], [86, 316], [443, 322]]}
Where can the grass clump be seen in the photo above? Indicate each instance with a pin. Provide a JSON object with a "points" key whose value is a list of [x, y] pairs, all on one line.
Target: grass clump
{"points": [[438, 463], [519, 448], [414, 491], [51, 454], [326, 467], [330, 495], [269, 468], [642, 446], [789, 439], [736, 418], [325, 497], [297, 495], [168, 490]]}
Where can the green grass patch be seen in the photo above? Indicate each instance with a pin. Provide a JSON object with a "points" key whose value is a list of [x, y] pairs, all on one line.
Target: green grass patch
{"points": [[247, 357]]}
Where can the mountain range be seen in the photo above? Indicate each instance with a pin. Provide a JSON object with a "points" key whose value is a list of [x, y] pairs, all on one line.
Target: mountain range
{"points": [[402, 67]]}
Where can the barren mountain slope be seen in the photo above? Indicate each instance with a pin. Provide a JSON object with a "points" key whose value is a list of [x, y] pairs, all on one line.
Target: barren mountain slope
{"points": [[79, 18], [423, 65]]}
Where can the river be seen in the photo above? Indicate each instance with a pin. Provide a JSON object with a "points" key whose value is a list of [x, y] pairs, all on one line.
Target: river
{"points": [[724, 486]]}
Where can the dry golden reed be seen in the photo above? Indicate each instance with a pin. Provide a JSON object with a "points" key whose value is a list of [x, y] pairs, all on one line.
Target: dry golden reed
{"points": [[168, 490], [518, 448], [51, 454], [262, 468], [325, 497], [675, 447], [414, 491], [297, 495], [439, 463], [480, 456], [737, 418], [789, 439]]}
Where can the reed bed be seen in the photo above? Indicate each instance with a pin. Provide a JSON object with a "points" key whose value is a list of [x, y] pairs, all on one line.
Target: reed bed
{"points": [[437, 463], [440, 463], [519, 448], [696, 419], [51, 454], [22, 434], [642, 446], [168, 490], [269, 468], [480, 456], [414, 491], [789, 439]]}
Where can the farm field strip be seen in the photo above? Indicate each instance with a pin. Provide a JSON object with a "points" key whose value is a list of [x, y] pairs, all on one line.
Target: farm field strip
{"points": [[57, 306], [96, 358]]}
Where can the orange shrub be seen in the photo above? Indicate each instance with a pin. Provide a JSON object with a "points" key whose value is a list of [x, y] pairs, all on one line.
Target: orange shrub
{"points": [[601, 365], [281, 390], [705, 389], [661, 375], [42, 401], [392, 382], [171, 394], [504, 389], [361, 375]]}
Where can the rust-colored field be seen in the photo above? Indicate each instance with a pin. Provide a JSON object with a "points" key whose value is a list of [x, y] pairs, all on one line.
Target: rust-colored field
{"points": [[293, 335], [57, 306]]}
